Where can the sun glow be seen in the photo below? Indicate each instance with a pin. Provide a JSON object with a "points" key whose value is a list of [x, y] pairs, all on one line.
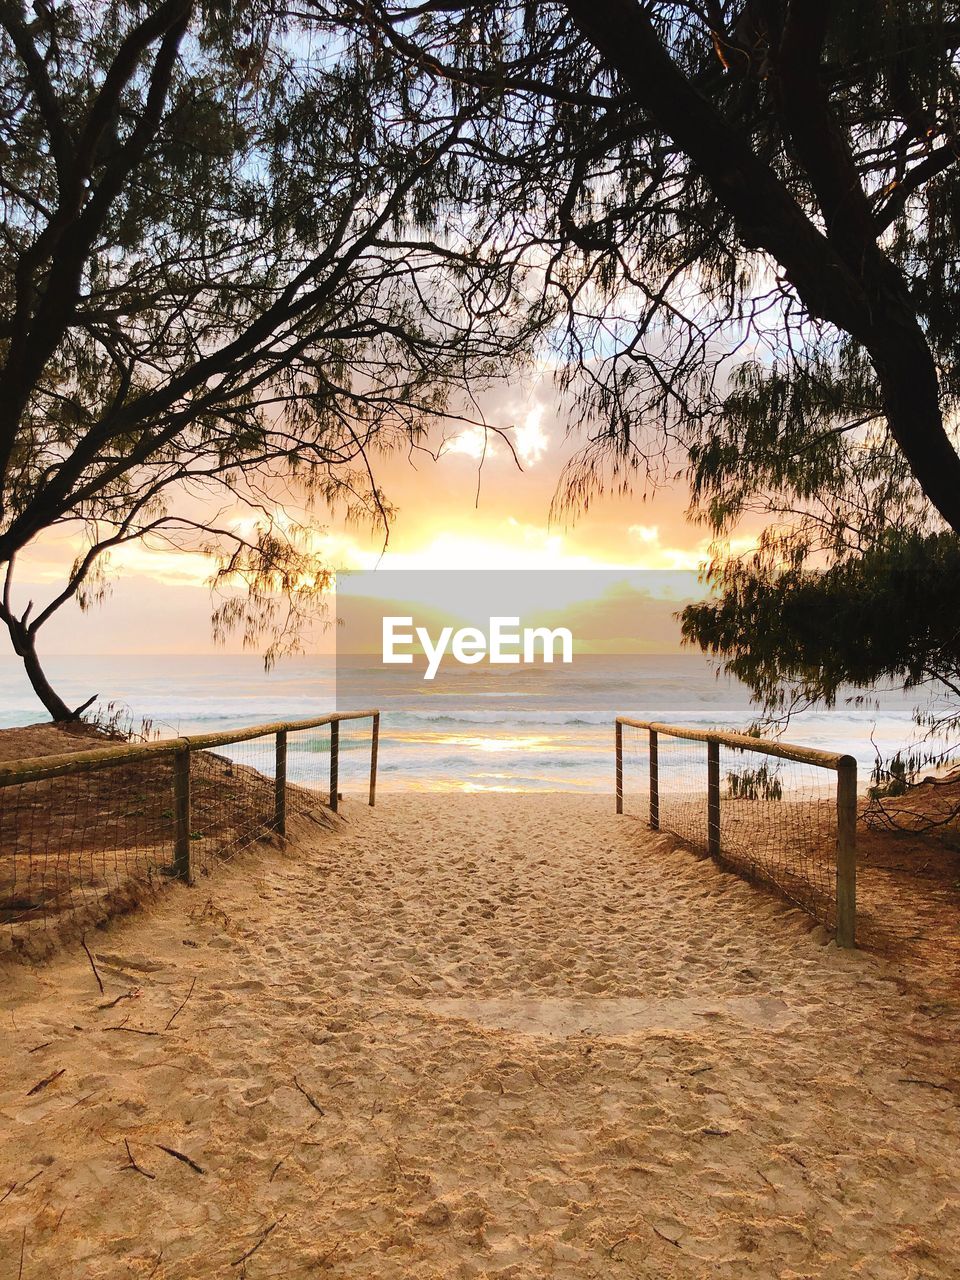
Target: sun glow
{"points": [[474, 508]]}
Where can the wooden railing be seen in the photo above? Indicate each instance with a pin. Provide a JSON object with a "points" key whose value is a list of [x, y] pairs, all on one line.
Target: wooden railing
{"points": [[181, 749], [845, 767]]}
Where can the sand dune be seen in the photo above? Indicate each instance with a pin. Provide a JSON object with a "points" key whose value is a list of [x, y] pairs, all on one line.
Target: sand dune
{"points": [[501, 1036]]}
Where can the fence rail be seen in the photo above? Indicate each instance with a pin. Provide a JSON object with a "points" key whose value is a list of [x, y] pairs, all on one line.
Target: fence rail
{"points": [[81, 830], [749, 849]]}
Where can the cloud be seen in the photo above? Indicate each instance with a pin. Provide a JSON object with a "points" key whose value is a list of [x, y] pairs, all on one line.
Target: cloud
{"points": [[645, 533], [530, 440], [473, 442]]}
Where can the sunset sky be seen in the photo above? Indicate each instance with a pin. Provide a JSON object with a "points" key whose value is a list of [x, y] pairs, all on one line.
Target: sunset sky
{"points": [[160, 601]]}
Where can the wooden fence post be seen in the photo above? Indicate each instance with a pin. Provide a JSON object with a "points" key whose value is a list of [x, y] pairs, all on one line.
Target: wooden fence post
{"points": [[374, 752], [654, 782], [181, 813], [713, 798], [619, 756], [280, 785], [847, 853], [334, 763]]}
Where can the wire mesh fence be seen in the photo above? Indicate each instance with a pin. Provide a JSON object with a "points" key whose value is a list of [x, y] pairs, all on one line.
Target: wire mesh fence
{"points": [[779, 814], [231, 800], [85, 835]]}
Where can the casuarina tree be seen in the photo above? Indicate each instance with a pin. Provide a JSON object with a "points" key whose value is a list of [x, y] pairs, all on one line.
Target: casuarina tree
{"points": [[215, 289], [749, 210]]}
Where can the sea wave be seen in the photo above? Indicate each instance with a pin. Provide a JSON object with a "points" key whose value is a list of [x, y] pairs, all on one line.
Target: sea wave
{"points": [[506, 718]]}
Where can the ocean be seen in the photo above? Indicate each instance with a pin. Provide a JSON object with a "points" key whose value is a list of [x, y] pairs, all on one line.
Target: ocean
{"points": [[522, 729]]}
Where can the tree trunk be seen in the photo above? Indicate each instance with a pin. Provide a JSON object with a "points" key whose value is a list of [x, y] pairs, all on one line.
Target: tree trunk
{"points": [[911, 400], [60, 713], [25, 646], [851, 283]]}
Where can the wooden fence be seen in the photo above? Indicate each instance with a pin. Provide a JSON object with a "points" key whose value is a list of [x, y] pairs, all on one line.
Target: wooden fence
{"points": [[180, 750], [844, 766]]}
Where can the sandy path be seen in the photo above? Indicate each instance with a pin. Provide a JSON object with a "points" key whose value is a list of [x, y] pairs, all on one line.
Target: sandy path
{"points": [[478, 1036]]}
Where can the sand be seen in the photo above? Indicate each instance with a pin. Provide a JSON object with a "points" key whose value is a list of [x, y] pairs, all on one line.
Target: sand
{"points": [[470, 1036]]}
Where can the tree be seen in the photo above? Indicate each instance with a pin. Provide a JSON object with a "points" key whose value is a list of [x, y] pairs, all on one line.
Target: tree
{"points": [[749, 210], [855, 623], [215, 287]]}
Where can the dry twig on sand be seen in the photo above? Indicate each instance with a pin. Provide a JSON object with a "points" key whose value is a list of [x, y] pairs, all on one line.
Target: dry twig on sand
{"points": [[178, 1155], [929, 1084], [261, 1240], [42, 1084], [132, 1165], [83, 943], [663, 1236], [181, 1005], [124, 995], [313, 1102]]}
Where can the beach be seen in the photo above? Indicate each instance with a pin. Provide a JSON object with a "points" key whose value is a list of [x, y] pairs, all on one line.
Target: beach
{"points": [[476, 1036]]}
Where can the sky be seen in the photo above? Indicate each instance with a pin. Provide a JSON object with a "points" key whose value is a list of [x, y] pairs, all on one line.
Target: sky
{"points": [[452, 514]]}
